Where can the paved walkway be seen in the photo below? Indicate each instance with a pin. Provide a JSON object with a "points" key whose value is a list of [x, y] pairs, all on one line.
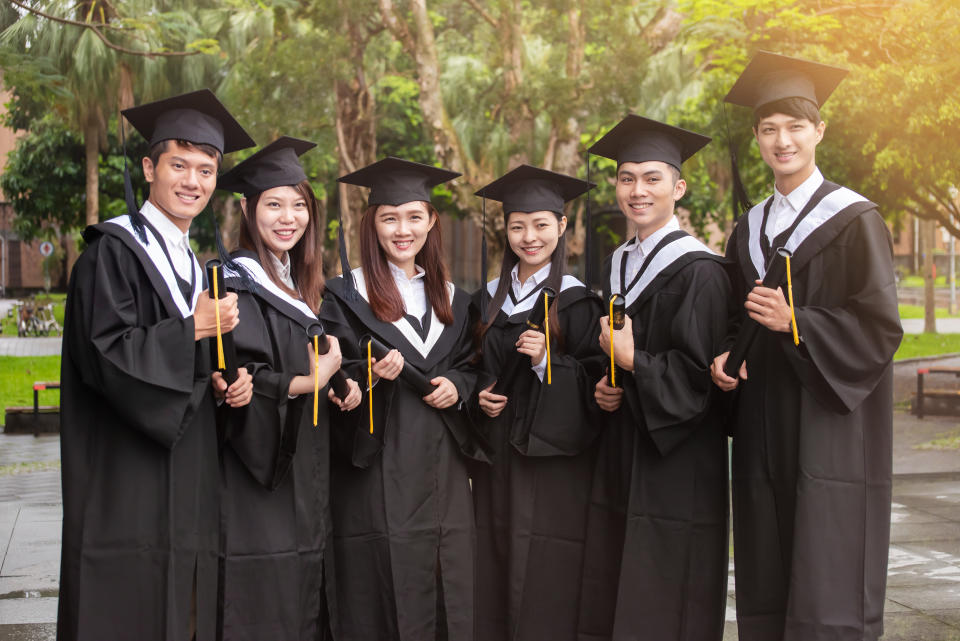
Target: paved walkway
{"points": [[944, 325]]}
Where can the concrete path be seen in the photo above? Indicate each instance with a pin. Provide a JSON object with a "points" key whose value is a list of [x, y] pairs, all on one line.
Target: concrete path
{"points": [[30, 346], [944, 325]]}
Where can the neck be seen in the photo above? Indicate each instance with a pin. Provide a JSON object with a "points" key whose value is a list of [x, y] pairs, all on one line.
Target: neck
{"points": [[644, 233], [183, 224], [407, 268], [787, 183], [525, 270]]}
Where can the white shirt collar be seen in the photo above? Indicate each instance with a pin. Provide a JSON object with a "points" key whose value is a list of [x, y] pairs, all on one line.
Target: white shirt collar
{"points": [[400, 274], [802, 194], [647, 244], [537, 278], [283, 268], [172, 236]]}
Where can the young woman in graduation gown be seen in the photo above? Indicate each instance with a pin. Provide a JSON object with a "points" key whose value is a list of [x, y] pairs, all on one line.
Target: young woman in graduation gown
{"points": [[275, 456], [537, 413], [402, 511]]}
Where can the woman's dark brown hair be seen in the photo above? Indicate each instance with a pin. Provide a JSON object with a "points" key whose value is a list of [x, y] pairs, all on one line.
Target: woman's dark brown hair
{"points": [[382, 292], [306, 257]]}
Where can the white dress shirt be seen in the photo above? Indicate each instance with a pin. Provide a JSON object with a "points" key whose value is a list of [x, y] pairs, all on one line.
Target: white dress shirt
{"points": [[522, 289], [411, 290], [637, 253], [177, 242], [282, 266], [785, 209]]}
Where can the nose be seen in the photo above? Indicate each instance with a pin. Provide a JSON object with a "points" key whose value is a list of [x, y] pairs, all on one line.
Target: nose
{"points": [[529, 234], [403, 227], [191, 179], [286, 214], [783, 138], [638, 188]]}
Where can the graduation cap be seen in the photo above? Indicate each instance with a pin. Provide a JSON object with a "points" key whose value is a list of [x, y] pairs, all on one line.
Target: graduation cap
{"points": [[275, 165], [196, 117], [392, 181], [770, 77], [527, 189], [639, 139]]}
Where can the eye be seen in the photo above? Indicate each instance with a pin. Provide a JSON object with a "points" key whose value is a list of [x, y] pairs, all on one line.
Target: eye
{"points": [[653, 179], [301, 204], [206, 172], [542, 225], [626, 179], [177, 165], [516, 228]]}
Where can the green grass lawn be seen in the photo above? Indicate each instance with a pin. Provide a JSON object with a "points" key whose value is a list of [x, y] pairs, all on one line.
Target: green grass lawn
{"points": [[917, 281], [17, 375], [916, 311], [10, 326], [927, 345]]}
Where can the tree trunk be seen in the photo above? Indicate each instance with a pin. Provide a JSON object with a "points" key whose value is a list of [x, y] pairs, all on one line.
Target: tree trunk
{"points": [[91, 145], [929, 295]]}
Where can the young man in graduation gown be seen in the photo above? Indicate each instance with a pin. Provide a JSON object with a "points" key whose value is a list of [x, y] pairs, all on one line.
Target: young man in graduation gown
{"points": [[138, 438], [812, 428], [656, 559], [539, 417]]}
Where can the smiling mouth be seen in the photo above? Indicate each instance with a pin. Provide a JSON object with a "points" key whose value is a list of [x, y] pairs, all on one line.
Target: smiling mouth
{"points": [[285, 234], [531, 250], [785, 155], [188, 197], [640, 206], [402, 244]]}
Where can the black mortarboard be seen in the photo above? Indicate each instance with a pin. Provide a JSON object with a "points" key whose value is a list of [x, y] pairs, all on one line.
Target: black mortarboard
{"points": [[770, 77], [275, 165], [196, 117], [394, 181], [638, 139], [527, 188]]}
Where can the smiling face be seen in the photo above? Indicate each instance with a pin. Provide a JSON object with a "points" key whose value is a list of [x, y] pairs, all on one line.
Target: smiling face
{"points": [[181, 182], [788, 145], [647, 194], [533, 237], [402, 231], [282, 217]]}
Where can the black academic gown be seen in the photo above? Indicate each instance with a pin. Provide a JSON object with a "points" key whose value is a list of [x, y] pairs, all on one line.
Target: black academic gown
{"points": [[813, 431], [404, 536], [657, 531], [275, 469], [139, 449], [531, 504]]}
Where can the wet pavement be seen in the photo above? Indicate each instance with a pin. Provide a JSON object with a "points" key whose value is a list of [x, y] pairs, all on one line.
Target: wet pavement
{"points": [[923, 588]]}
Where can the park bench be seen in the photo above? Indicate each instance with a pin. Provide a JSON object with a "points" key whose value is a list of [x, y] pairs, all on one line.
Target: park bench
{"points": [[37, 419], [950, 397]]}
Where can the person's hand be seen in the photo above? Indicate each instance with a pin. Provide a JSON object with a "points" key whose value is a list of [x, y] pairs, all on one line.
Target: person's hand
{"points": [[608, 398], [622, 342], [720, 378], [329, 362], [491, 404], [444, 396], [769, 308], [533, 344], [205, 315], [353, 396], [239, 393], [389, 367]]}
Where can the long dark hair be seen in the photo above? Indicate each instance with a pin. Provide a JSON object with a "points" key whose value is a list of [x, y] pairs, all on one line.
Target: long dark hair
{"points": [[382, 292], [306, 257], [558, 267]]}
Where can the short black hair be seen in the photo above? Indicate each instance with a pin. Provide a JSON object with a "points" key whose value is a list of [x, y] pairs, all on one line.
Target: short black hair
{"points": [[796, 107], [675, 173], [158, 149]]}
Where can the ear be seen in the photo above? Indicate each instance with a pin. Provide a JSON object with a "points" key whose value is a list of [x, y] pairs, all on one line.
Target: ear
{"points": [[679, 189], [820, 129], [148, 168], [563, 225], [433, 221], [243, 205]]}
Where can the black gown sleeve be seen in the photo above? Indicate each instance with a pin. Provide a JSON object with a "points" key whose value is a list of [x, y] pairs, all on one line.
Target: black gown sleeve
{"points": [[263, 433], [671, 390], [147, 372], [845, 350], [563, 420]]}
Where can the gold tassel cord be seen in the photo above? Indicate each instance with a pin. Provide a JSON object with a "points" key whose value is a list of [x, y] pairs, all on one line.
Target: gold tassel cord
{"points": [[793, 315], [613, 366], [370, 380], [316, 377], [216, 299], [546, 329]]}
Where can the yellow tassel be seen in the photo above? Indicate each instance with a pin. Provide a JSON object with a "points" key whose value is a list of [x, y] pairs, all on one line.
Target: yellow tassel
{"points": [[370, 380], [221, 364], [613, 365], [546, 329], [793, 315], [316, 376]]}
